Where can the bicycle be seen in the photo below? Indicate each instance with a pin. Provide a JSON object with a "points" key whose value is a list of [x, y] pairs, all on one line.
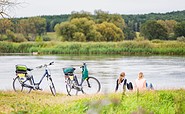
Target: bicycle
{"points": [[25, 82], [88, 84]]}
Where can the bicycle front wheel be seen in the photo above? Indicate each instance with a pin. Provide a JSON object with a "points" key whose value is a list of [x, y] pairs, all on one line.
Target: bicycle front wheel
{"points": [[91, 86], [52, 87], [22, 85]]}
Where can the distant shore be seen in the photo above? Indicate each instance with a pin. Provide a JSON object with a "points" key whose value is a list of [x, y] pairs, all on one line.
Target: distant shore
{"points": [[145, 47]]}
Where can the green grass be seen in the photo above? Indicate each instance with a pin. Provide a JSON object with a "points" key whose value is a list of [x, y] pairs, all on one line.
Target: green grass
{"points": [[151, 102], [91, 48]]}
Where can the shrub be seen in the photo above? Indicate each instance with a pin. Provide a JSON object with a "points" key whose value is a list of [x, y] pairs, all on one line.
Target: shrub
{"points": [[19, 38], [181, 39]]}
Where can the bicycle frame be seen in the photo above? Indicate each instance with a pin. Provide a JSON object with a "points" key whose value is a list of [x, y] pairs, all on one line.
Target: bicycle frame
{"points": [[85, 75], [34, 84]]}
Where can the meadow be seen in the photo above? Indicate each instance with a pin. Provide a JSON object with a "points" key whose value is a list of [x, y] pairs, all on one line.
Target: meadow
{"points": [[150, 102]]}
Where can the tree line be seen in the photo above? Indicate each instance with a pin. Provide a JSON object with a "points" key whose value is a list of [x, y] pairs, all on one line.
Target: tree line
{"points": [[100, 26]]}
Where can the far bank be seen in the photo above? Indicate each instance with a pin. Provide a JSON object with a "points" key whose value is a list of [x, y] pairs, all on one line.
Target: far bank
{"points": [[155, 47]]}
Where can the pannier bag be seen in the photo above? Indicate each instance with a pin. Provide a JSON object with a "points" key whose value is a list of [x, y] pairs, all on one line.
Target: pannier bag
{"points": [[21, 69], [68, 71]]}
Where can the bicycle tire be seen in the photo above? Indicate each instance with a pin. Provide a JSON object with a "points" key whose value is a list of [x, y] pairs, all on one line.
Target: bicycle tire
{"points": [[91, 86], [71, 90], [52, 87], [18, 85]]}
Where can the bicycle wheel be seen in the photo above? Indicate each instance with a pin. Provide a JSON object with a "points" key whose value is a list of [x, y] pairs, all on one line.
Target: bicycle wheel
{"points": [[21, 85], [70, 87], [91, 86], [52, 87]]}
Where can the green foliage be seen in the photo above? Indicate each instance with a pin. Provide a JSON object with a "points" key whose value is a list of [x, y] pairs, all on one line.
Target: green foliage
{"points": [[92, 30], [153, 30], [10, 35], [81, 14], [32, 27], [5, 24], [129, 33], [110, 32], [79, 36], [149, 102], [181, 39], [142, 47], [38, 39], [46, 38], [6, 47], [180, 29]]}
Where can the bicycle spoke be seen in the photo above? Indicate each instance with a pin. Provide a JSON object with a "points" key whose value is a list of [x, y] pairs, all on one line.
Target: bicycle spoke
{"points": [[20, 85], [91, 86]]}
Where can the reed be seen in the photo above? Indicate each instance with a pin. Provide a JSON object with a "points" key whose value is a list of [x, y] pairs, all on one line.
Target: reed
{"points": [[115, 48]]}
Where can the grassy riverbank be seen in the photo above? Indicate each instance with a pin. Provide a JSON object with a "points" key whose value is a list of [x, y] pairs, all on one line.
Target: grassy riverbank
{"points": [[153, 102], [121, 48]]}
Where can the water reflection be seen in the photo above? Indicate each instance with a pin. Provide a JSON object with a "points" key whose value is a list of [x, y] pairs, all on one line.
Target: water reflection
{"points": [[163, 71]]}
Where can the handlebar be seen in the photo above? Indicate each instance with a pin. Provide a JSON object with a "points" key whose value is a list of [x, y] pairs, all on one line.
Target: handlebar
{"points": [[45, 65], [84, 64]]}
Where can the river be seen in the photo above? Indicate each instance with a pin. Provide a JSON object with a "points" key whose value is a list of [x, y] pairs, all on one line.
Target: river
{"points": [[164, 72]]}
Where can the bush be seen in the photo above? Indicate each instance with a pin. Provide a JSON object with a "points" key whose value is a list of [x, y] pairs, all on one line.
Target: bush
{"points": [[46, 38], [157, 41], [181, 39], [19, 38]]}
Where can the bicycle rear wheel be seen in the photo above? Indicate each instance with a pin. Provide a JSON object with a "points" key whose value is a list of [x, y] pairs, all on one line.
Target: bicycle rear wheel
{"points": [[52, 87], [22, 85], [70, 87], [91, 86]]}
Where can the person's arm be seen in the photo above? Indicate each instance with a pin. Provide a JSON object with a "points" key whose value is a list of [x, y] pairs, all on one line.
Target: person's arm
{"points": [[135, 86], [144, 84], [117, 85]]}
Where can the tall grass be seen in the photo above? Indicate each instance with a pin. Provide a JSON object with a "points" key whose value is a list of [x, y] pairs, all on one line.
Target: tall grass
{"points": [[121, 48], [151, 102]]}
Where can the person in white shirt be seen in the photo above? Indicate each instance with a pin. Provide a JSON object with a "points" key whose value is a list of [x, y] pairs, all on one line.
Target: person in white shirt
{"points": [[121, 81]]}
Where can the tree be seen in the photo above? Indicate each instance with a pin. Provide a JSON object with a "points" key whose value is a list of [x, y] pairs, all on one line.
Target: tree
{"points": [[7, 5], [66, 30], [180, 29], [32, 26], [110, 32], [5, 24], [153, 30], [102, 16], [81, 14], [168, 25]]}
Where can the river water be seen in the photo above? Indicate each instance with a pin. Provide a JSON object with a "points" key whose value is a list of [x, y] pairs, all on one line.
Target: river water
{"points": [[164, 72]]}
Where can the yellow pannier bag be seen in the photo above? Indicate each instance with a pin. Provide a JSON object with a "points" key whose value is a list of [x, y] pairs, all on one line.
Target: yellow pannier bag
{"points": [[21, 75]]}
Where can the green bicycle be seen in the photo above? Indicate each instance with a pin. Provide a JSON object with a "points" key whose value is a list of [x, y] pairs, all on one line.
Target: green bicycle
{"points": [[88, 84]]}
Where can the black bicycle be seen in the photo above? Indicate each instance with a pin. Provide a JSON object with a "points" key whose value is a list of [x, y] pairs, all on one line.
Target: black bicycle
{"points": [[88, 84], [25, 82]]}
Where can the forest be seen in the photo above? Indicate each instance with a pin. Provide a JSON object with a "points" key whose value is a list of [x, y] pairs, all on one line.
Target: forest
{"points": [[101, 26]]}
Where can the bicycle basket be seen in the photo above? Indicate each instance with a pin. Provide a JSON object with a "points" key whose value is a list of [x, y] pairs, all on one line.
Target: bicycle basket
{"points": [[21, 69], [69, 70]]}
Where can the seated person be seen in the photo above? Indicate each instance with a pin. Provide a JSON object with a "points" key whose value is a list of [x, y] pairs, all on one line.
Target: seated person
{"points": [[122, 81], [140, 83]]}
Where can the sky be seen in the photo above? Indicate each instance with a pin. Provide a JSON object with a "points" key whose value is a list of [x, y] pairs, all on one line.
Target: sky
{"points": [[29, 8]]}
